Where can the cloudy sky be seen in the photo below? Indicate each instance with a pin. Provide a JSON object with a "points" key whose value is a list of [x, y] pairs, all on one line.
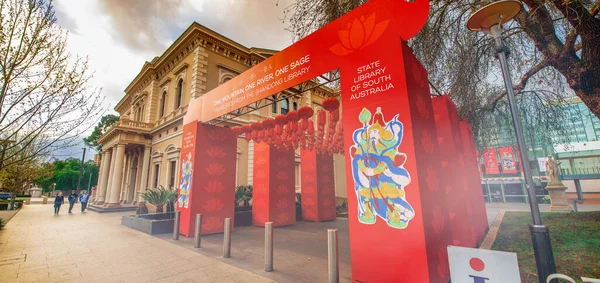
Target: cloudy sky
{"points": [[118, 36]]}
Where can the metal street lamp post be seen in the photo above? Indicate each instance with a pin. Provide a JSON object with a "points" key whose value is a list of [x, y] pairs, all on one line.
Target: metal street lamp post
{"points": [[490, 19]]}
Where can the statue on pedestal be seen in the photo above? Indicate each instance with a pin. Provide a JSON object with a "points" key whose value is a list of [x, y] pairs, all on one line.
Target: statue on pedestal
{"points": [[552, 169], [555, 188]]}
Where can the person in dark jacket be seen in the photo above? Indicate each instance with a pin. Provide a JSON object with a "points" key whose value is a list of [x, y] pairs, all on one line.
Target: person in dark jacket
{"points": [[83, 198], [58, 201], [72, 200]]}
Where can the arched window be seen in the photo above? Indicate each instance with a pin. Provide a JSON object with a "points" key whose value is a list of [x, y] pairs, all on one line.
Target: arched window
{"points": [[179, 94], [142, 113], [285, 106], [295, 106], [163, 101], [274, 105]]}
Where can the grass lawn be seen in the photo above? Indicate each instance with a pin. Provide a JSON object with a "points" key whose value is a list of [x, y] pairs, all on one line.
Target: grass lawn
{"points": [[575, 242]]}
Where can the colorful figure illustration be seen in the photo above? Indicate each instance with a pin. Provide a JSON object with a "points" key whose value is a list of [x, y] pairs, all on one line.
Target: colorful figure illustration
{"points": [[186, 181], [378, 171], [508, 162]]}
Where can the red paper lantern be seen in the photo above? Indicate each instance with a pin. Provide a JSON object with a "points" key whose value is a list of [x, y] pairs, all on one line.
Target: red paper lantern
{"points": [[305, 112], [331, 104]]}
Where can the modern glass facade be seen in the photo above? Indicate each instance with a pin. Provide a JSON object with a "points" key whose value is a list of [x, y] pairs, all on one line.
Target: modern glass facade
{"points": [[580, 155]]}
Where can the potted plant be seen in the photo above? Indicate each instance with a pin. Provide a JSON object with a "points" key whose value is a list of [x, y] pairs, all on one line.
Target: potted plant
{"points": [[154, 223], [159, 197]]}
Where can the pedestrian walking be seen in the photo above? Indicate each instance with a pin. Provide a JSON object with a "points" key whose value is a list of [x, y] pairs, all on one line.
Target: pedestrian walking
{"points": [[58, 201], [72, 200], [83, 198]]}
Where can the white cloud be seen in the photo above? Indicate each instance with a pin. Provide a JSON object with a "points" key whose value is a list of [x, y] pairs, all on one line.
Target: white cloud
{"points": [[118, 46]]}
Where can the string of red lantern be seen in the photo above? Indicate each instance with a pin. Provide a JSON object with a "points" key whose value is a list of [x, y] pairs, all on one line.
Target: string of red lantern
{"points": [[296, 130]]}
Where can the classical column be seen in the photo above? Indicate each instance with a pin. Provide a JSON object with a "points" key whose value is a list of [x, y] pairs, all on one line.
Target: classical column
{"points": [[117, 178], [125, 181], [111, 175], [103, 177], [138, 176], [108, 178], [144, 182]]}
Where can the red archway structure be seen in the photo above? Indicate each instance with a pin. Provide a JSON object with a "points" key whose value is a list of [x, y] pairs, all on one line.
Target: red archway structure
{"points": [[398, 204]]}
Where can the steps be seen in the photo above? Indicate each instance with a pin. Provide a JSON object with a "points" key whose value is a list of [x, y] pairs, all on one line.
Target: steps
{"points": [[102, 209]]}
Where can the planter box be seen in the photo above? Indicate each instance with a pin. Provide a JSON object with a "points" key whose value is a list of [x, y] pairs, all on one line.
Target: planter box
{"points": [[151, 224], [3, 206], [242, 218], [298, 212]]}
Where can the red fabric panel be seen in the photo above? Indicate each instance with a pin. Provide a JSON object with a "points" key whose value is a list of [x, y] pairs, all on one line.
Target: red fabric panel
{"points": [[317, 186], [476, 193], [207, 177], [273, 195], [455, 189]]}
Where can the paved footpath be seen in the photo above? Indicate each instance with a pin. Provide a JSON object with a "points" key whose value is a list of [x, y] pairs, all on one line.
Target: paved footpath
{"points": [[36, 246]]}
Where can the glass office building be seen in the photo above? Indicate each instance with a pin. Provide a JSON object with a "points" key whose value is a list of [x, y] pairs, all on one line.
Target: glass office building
{"points": [[577, 147]]}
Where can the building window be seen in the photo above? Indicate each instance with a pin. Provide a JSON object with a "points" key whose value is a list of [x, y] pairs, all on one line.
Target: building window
{"points": [[156, 175], [274, 105], [162, 103], [295, 106], [172, 174], [285, 106], [179, 93]]}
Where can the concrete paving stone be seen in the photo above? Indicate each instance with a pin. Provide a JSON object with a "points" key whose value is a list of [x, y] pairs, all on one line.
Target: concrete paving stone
{"points": [[94, 247]]}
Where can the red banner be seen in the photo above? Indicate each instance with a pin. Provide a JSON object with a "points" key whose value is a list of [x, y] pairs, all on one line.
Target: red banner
{"points": [[507, 160], [491, 162], [317, 53]]}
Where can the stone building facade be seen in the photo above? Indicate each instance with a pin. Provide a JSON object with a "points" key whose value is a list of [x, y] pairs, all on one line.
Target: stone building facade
{"points": [[142, 149]]}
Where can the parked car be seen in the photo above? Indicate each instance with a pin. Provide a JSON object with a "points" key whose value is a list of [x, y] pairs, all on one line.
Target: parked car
{"points": [[4, 196]]}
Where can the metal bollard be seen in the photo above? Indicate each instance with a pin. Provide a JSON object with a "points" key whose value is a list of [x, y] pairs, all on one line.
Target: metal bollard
{"points": [[575, 205], [176, 226], [332, 255], [198, 230], [227, 239], [268, 246]]}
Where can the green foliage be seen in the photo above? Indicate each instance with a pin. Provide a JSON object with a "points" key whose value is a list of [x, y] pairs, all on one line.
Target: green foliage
{"points": [[546, 199], [243, 194], [105, 122], [2, 223], [574, 237], [159, 197], [65, 174]]}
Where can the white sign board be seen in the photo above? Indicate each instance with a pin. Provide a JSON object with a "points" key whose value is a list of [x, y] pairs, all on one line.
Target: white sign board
{"points": [[542, 163], [469, 265]]}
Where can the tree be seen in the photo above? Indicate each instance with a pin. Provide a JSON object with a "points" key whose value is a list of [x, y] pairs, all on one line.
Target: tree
{"points": [[66, 173], [45, 98], [105, 122], [555, 45], [63, 174], [16, 176]]}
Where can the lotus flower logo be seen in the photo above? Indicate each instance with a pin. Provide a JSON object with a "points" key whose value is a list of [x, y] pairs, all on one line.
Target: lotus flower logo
{"points": [[308, 201], [216, 152], [213, 205], [214, 187], [215, 169], [282, 204], [213, 224], [361, 33], [283, 218]]}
